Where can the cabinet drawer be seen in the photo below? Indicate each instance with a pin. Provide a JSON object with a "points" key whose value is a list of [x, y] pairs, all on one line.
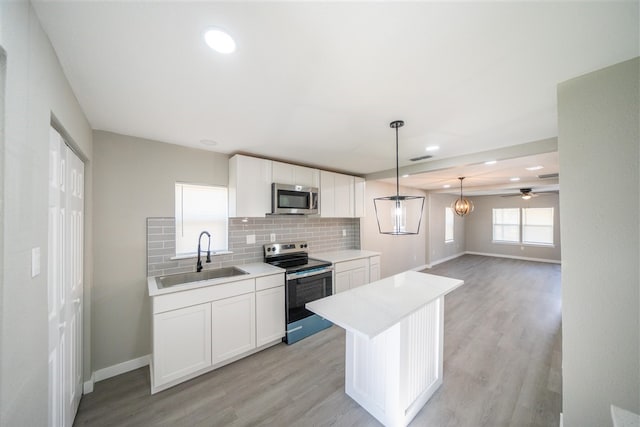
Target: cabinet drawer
{"points": [[374, 260], [177, 300], [351, 265], [268, 282]]}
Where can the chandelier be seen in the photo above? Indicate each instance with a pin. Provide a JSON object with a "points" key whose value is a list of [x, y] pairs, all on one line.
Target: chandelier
{"points": [[462, 206]]}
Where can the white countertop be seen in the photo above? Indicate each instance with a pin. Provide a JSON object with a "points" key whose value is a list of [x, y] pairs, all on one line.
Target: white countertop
{"points": [[256, 269], [343, 255], [371, 309]]}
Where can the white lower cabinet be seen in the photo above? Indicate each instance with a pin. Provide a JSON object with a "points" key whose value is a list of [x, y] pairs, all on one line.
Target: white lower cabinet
{"points": [[233, 326], [357, 272], [351, 274], [198, 330], [374, 268], [181, 342], [270, 316]]}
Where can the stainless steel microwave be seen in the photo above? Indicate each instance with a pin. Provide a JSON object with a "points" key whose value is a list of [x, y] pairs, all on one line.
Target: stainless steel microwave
{"points": [[293, 199]]}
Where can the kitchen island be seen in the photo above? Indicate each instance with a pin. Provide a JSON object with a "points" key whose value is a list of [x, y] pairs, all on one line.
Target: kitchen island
{"points": [[394, 341]]}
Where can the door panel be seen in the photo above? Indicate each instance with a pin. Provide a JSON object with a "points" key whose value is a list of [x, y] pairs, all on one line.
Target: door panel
{"points": [[65, 281]]}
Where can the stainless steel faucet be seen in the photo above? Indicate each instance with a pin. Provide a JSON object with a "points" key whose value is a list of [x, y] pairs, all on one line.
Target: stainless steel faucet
{"points": [[199, 264]]}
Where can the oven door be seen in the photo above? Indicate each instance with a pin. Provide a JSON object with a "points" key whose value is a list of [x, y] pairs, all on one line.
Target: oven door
{"points": [[301, 290]]}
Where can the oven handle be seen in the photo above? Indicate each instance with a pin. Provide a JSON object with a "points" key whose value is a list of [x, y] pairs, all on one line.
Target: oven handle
{"points": [[303, 274]]}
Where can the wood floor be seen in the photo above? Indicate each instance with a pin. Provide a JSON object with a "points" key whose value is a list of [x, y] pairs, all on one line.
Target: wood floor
{"points": [[502, 361]]}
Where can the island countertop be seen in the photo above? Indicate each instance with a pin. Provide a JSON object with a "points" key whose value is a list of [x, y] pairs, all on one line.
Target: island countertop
{"points": [[372, 309]]}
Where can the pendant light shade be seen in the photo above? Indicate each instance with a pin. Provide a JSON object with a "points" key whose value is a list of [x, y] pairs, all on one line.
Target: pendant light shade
{"points": [[398, 215], [462, 206]]}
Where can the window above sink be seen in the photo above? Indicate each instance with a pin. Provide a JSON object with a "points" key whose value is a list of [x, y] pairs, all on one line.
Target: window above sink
{"points": [[200, 208]]}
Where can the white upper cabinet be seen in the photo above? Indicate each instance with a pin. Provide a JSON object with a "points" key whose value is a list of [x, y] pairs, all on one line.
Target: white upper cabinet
{"points": [[285, 173], [359, 196], [249, 186], [336, 195]]}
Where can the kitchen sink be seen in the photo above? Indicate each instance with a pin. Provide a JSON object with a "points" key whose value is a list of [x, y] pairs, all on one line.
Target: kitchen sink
{"points": [[183, 278]]}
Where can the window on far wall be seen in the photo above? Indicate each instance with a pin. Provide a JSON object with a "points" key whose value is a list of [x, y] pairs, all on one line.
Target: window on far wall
{"points": [[448, 225], [506, 225], [200, 208], [537, 226]]}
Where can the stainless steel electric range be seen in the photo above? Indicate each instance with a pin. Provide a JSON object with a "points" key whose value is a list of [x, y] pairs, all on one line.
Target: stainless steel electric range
{"points": [[306, 280]]}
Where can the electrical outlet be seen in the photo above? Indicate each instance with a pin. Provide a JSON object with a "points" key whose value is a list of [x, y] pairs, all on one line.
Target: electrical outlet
{"points": [[344, 233], [272, 237], [251, 239]]}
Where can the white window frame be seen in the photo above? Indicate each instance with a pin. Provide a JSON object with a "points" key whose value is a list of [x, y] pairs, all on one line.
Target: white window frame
{"points": [[212, 216], [495, 224], [526, 225], [449, 225]]}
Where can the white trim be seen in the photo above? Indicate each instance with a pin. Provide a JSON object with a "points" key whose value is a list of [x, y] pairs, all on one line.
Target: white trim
{"points": [[121, 368], [449, 258], [552, 261], [560, 419], [87, 387], [422, 267]]}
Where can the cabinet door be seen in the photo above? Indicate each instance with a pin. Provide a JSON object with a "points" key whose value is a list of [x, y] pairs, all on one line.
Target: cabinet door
{"points": [[342, 282], [306, 176], [359, 277], [233, 326], [374, 269], [270, 316], [344, 205], [181, 342], [282, 173], [249, 186], [359, 197], [327, 194]]}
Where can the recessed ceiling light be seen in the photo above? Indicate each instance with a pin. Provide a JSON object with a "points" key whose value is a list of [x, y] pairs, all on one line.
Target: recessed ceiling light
{"points": [[219, 40], [491, 162], [535, 168], [446, 186], [514, 179], [209, 142], [433, 148]]}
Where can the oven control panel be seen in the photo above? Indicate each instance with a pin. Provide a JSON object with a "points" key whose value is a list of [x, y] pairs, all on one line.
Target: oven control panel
{"points": [[272, 249]]}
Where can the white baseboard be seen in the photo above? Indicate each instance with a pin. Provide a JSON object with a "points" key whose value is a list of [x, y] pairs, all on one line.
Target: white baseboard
{"points": [[551, 261], [449, 258], [87, 387], [120, 368], [420, 268]]}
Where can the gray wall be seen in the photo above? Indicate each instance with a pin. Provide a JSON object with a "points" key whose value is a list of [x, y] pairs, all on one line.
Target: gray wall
{"points": [[437, 249], [36, 89], [134, 179], [479, 231], [399, 253], [598, 140]]}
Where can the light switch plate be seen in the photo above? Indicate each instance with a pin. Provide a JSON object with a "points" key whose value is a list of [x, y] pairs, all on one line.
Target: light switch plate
{"points": [[273, 237], [251, 239], [35, 262]]}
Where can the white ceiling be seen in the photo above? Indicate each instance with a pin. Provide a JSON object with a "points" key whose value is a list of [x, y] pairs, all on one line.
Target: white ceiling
{"points": [[318, 83]]}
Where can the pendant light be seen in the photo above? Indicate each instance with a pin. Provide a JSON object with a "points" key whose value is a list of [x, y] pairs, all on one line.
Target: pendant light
{"points": [[398, 215], [462, 206]]}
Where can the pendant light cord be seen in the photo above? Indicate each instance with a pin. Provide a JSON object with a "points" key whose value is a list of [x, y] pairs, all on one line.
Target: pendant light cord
{"points": [[397, 170]]}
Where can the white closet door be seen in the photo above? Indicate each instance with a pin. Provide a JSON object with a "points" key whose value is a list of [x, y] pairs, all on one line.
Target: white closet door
{"points": [[65, 280], [74, 284]]}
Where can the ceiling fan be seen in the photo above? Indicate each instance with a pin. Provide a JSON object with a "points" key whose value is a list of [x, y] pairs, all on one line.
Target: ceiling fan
{"points": [[526, 194]]}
